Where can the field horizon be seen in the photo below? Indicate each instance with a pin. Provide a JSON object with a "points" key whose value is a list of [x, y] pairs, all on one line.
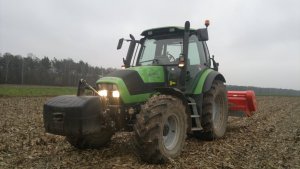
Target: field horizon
{"points": [[47, 90]]}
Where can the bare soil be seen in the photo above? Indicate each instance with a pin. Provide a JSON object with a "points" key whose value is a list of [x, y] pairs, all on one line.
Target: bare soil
{"points": [[269, 139]]}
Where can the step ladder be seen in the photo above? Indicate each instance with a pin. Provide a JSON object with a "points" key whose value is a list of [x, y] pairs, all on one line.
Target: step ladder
{"points": [[195, 115]]}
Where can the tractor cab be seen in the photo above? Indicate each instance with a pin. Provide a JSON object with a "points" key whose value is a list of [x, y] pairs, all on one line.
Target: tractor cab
{"points": [[182, 52]]}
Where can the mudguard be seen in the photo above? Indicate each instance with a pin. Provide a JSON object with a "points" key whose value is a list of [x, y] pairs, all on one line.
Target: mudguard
{"points": [[205, 79], [214, 75]]}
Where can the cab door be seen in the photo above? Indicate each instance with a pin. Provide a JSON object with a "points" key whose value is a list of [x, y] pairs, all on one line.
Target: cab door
{"points": [[197, 62]]}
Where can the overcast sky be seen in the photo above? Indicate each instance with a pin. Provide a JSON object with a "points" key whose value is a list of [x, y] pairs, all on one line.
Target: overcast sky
{"points": [[257, 42]]}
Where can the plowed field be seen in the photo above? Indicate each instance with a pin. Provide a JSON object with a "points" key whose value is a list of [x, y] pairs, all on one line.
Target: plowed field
{"points": [[269, 139]]}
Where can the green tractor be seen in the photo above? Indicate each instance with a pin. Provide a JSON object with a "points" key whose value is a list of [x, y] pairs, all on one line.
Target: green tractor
{"points": [[168, 88]]}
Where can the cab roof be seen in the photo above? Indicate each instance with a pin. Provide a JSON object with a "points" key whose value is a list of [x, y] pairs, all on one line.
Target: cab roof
{"points": [[168, 30]]}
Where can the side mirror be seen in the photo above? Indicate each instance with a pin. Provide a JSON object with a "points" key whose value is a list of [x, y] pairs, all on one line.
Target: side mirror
{"points": [[202, 34], [120, 43], [215, 64]]}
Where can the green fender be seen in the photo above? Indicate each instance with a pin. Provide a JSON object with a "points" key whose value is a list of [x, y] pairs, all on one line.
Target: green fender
{"points": [[206, 80]]}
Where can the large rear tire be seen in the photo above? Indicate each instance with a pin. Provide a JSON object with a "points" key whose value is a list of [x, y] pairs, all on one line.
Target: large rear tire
{"points": [[215, 112], [160, 130], [95, 140]]}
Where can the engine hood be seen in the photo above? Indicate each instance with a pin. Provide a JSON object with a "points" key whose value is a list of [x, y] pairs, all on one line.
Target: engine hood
{"points": [[136, 81]]}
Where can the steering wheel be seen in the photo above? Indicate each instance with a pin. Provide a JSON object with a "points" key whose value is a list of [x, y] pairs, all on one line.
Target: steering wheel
{"points": [[171, 57]]}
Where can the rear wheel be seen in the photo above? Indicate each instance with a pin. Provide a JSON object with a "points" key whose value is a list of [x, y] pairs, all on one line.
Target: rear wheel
{"points": [[160, 130], [215, 112], [95, 140]]}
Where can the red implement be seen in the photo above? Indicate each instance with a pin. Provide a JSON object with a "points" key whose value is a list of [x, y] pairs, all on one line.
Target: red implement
{"points": [[241, 103]]}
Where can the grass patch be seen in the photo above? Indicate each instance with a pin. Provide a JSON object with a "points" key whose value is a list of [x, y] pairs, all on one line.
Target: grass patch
{"points": [[21, 90]]}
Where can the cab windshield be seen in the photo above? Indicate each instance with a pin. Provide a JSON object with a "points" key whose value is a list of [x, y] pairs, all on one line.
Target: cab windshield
{"points": [[160, 52]]}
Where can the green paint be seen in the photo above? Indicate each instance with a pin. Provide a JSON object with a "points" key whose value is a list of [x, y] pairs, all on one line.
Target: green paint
{"points": [[150, 74], [199, 87], [124, 93]]}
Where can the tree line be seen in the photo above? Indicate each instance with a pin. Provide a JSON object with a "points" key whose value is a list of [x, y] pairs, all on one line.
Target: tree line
{"points": [[31, 70], [266, 91]]}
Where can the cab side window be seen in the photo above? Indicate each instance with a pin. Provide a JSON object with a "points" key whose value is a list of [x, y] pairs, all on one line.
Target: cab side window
{"points": [[201, 53], [196, 56], [206, 54], [196, 51]]}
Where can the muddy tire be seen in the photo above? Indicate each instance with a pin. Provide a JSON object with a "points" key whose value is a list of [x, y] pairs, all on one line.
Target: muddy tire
{"points": [[90, 141], [160, 130], [215, 112]]}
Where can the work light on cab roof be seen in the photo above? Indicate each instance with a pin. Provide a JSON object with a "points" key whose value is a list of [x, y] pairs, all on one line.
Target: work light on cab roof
{"points": [[206, 23]]}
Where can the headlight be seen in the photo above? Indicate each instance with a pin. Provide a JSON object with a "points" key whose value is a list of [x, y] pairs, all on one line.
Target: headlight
{"points": [[116, 93], [102, 93]]}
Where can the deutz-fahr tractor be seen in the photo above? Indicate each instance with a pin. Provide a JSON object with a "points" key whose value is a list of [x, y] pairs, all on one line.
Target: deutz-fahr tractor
{"points": [[168, 88]]}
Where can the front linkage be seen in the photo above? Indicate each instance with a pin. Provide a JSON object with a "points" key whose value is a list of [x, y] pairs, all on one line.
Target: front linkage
{"points": [[86, 121], [82, 85]]}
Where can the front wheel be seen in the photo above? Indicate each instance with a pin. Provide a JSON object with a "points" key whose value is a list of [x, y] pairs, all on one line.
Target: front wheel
{"points": [[160, 130]]}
